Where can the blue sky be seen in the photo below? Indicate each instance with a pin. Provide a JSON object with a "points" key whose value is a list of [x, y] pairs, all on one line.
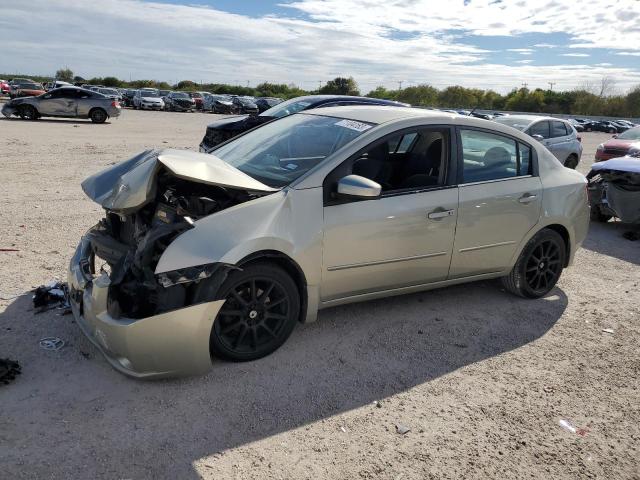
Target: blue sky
{"points": [[476, 43]]}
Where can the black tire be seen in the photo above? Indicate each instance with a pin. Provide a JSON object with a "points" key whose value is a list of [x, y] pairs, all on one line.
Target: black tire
{"points": [[539, 266], [27, 112], [98, 115], [571, 161], [261, 310]]}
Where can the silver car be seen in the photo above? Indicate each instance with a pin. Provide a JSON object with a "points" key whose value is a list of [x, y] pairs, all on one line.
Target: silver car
{"points": [[222, 254], [148, 99], [66, 102], [557, 135]]}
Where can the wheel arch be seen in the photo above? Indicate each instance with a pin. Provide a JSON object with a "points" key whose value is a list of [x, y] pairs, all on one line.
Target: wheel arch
{"points": [[93, 109], [290, 266], [556, 226], [564, 233]]}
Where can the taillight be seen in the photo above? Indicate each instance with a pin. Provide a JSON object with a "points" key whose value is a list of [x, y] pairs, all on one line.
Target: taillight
{"points": [[115, 104], [579, 138]]}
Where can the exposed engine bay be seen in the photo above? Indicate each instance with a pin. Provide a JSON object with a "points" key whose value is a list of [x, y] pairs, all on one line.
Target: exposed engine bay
{"points": [[614, 189], [128, 242]]}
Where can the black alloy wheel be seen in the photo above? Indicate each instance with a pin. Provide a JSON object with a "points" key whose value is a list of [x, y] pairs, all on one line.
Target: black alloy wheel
{"points": [[539, 266], [98, 116], [261, 309], [27, 112]]}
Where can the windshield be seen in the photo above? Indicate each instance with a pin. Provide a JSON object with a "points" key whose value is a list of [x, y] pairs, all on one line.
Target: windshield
{"points": [[147, 94], [631, 134], [180, 95], [279, 152], [286, 108], [108, 91], [519, 123], [30, 86]]}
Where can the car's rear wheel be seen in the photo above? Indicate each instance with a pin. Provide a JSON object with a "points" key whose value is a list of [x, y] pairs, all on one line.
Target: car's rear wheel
{"points": [[539, 266], [571, 161], [261, 309], [97, 115], [27, 112]]}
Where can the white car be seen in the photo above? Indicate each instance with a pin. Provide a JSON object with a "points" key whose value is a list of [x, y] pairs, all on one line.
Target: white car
{"points": [[148, 99]]}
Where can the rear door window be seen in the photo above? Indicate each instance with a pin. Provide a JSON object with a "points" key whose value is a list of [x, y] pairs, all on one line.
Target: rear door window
{"points": [[558, 129], [540, 128]]}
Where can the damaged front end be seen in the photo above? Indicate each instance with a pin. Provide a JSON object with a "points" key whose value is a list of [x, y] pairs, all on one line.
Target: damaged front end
{"points": [[120, 303], [614, 189]]}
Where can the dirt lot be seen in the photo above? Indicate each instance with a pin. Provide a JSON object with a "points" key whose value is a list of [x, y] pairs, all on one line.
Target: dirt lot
{"points": [[480, 377]]}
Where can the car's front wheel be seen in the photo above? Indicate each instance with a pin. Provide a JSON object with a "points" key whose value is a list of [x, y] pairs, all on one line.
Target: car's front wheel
{"points": [[27, 112], [539, 266], [261, 308]]}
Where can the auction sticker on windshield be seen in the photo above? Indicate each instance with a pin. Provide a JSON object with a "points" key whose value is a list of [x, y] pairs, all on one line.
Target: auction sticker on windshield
{"points": [[353, 125]]}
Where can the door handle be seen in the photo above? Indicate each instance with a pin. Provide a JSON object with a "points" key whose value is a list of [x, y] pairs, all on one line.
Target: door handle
{"points": [[527, 198], [438, 214]]}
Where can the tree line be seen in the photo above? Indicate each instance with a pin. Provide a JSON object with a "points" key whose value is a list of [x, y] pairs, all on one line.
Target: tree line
{"points": [[589, 99]]}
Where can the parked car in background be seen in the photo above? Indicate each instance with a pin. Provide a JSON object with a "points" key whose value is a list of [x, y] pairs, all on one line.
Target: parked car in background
{"points": [[557, 135], [4, 87], [265, 103], [110, 93], [622, 127], [218, 104], [245, 105], [179, 102], [319, 208], [164, 93], [614, 189], [626, 143], [127, 97], [25, 89], [601, 126], [67, 102], [198, 98], [148, 99], [576, 124], [57, 84], [222, 130]]}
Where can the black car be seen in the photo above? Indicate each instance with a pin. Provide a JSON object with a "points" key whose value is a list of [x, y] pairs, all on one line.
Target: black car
{"points": [[245, 105], [265, 103], [227, 128], [179, 102], [602, 126], [576, 124], [127, 97]]}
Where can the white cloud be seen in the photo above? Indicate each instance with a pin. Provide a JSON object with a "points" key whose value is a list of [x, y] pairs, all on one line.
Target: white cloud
{"points": [[524, 61], [575, 55], [544, 45], [629, 54], [384, 42]]}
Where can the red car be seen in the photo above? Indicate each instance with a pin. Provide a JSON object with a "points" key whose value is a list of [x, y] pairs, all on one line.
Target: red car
{"points": [[4, 87], [26, 89], [620, 145]]}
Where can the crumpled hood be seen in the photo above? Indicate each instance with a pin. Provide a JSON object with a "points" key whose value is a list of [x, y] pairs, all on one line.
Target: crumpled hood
{"points": [[622, 164], [129, 185]]}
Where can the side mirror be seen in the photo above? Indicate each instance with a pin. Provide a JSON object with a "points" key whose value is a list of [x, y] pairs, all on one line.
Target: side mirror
{"points": [[538, 137], [357, 187]]}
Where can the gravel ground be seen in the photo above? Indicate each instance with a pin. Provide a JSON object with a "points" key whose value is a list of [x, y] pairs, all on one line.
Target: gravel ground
{"points": [[480, 378]]}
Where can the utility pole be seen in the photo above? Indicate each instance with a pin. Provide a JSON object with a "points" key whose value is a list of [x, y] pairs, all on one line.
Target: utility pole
{"points": [[319, 84], [524, 85], [551, 84], [247, 83], [400, 85]]}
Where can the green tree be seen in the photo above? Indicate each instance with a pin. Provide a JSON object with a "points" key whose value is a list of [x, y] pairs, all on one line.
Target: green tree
{"points": [[457, 97], [64, 74], [423, 95], [340, 86], [383, 93], [633, 102]]}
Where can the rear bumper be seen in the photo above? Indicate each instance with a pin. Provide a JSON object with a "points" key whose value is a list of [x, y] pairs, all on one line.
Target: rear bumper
{"points": [[170, 344], [114, 112]]}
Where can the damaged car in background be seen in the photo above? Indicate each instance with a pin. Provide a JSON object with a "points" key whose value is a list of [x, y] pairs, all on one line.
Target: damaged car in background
{"points": [[614, 189], [66, 102], [221, 255], [226, 128]]}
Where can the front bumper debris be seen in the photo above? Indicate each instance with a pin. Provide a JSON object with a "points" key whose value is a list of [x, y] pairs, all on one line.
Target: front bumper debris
{"points": [[8, 110], [170, 344]]}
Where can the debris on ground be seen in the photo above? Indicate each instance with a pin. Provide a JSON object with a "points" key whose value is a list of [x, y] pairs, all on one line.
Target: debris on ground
{"points": [[565, 424], [608, 330], [52, 295], [402, 429], [630, 235], [377, 403], [51, 343], [9, 250], [8, 370]]}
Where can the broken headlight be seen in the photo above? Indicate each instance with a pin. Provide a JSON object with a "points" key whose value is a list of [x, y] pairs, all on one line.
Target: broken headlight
{"points": [[186, 275]]}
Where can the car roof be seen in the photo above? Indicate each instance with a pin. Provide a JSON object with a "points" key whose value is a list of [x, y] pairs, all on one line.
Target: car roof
{"points": [[380, 113]]}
